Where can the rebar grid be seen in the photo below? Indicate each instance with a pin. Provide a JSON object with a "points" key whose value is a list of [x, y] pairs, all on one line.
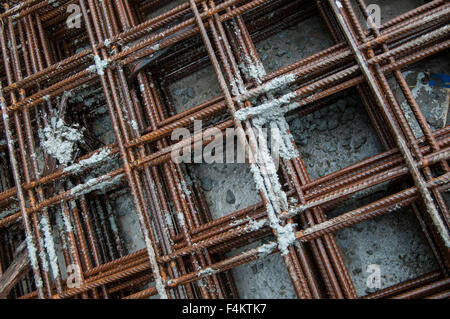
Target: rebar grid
{"points": [[53, 204]]}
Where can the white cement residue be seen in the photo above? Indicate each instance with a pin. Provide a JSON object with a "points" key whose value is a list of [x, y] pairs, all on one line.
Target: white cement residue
{"points": [[90, 162], [266, 249], [96, 184], [206, 272], [59, 140]]}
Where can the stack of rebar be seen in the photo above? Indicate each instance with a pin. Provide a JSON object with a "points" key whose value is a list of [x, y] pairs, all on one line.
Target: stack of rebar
{"points": [[131, 51]]}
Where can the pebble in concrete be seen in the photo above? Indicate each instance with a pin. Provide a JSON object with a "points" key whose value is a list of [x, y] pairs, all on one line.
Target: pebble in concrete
{"points": [[231, 199], [207, 184]]}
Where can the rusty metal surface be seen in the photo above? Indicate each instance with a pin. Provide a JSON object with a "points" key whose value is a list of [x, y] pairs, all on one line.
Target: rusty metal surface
{"points": [[132, 60]]}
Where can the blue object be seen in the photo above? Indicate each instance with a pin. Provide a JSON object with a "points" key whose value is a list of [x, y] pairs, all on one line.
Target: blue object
{"points": [[440, 80]]}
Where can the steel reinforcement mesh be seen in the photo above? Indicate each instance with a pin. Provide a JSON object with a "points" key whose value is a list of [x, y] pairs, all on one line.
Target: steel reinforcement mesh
{"points": [[63, 61]]}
